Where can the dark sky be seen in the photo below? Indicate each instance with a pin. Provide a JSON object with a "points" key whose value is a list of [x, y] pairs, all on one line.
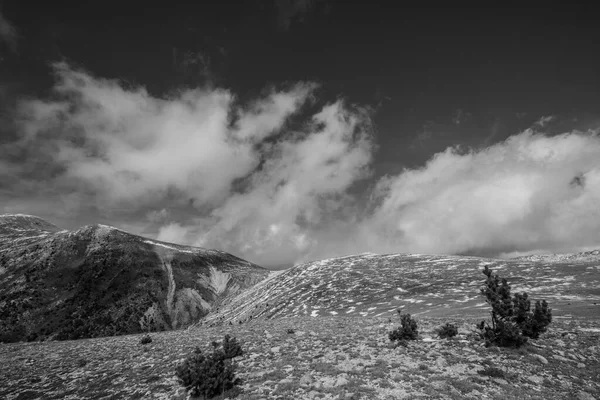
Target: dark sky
{"points": [[417, 65], [433, 77]]}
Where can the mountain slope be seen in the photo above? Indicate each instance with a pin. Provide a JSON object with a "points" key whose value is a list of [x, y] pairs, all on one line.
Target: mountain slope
{"points": [[101, 281], [585, 256], [376, 285]]}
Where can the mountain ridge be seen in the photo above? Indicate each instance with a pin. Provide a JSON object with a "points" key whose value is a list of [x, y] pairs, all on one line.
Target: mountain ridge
{"points": [[99, 280], [373, 285]]}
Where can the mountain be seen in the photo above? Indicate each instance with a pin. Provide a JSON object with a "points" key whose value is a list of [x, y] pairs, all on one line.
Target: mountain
{"points": [[370, 285], [585, 256], [101, 281]]}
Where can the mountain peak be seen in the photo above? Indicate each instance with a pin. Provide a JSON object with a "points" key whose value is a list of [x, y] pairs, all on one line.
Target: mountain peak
{"points": [[99, 280]]}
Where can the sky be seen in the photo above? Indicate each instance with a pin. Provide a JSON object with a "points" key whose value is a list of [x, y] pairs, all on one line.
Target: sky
{"points": [[293, 130]]}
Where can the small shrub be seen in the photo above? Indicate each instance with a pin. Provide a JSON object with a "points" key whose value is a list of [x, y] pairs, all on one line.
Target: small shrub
{"points": [[146, 339], [513, 322], [231, 347], [447, 331], [407, 331], [212, 373], [492, 372]]}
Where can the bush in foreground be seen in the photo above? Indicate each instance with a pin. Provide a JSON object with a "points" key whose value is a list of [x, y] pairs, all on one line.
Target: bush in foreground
{"points": [[447, 331], [146, 339], [513, 322], [212, 373], [408, 329]]}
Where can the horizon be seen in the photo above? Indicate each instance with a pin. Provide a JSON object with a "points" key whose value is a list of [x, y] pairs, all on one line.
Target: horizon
{"points": [[287, 266], [284, 132]]}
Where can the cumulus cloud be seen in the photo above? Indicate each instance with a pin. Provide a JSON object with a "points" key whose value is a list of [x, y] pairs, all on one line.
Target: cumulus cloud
{"points": [[516, 195], [273, 179], [125, 146], [257, 185], [173, 233], [299, 190]]}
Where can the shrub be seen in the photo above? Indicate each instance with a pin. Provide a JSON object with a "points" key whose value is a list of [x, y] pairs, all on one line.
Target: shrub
{"points": [[407, 331], [146, 339], [447, 331], [492, 372], [513, 322], [212, 373]]}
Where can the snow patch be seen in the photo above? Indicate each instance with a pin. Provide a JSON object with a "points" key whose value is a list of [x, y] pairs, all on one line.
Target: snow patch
{"points": [[168, 247]]}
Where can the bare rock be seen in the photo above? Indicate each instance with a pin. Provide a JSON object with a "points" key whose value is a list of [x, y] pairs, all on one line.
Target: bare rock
{"points": [[541, 359]]}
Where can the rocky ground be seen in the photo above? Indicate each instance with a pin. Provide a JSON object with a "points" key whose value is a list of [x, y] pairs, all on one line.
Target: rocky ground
{"points": [[336, 357], [372, 285]]}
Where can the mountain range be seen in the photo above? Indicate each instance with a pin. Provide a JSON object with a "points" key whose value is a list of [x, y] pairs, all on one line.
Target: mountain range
{"points": [[101, 281]]}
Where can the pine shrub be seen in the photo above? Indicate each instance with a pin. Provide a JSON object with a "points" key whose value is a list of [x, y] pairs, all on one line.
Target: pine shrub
{"points": [[407, 331], [447, 331], [146, 339], [212, 373], [513, 322]]}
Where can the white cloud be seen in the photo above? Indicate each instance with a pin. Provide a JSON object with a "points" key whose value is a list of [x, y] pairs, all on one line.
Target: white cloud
{"points": [[271, 180], [127, 147], [513, 196], [544, 121], [299, 189], [157, 215], [259, 187], [173, 233]]}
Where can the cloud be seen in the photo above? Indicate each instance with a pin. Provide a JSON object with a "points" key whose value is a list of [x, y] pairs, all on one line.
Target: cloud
{"points": [[259, 180], [300, 189], [513, 196], [173, 233], [157, 215], [544, 121], [8, 32], [275, 179], [127, 147]]}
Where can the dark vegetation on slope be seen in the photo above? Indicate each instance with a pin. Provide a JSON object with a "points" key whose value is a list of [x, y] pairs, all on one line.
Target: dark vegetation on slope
{"points": [[100, 281], [513, 322], [211, 373]]}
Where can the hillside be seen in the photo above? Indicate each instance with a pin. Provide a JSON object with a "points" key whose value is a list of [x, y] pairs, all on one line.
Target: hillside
{"points": [[370, 285], [101, 281], [320, 331]]}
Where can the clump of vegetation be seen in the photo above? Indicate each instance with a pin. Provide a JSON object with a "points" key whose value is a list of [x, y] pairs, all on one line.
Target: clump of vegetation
{"points": [[212, 373], [408, 329], [146, 339], [492, 372], [513, 322], [447, 331]]}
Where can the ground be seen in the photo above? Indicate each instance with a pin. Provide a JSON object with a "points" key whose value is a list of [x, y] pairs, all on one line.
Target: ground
{"points": [[335, 357]]}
